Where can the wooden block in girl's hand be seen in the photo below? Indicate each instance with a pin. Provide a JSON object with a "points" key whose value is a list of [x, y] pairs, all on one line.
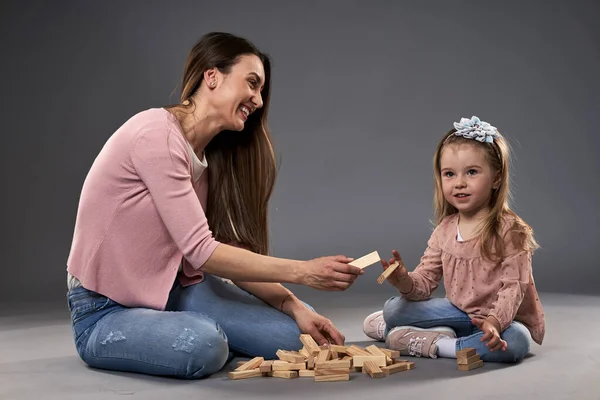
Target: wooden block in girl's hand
{"points": [[366, 261], [391, 268]]}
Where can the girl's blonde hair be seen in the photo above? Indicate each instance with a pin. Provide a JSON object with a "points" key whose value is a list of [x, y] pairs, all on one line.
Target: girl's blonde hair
{"points": [[497, 154]]}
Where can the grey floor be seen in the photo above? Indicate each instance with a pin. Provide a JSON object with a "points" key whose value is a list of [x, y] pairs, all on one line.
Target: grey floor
{"points": [[38, 361]]}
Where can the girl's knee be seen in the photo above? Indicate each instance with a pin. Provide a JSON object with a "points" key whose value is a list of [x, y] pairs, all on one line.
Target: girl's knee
{"points": [[393, 308], [518, 344]]}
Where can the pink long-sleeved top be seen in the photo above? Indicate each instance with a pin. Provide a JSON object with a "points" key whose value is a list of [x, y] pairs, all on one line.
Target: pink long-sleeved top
{"points": [[141, 214], [477, 286]]}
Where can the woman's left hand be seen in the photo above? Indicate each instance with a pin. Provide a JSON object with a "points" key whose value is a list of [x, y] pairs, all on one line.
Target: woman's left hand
{"points": [[319, 327]]}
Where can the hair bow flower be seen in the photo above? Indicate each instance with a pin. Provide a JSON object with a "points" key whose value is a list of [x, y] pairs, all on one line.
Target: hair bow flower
{"points": [[476, 129]]}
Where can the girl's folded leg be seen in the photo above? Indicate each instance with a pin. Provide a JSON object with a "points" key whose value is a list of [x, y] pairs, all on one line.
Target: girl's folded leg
{"points": [[253, 327], [518, 340], [435, 312]]}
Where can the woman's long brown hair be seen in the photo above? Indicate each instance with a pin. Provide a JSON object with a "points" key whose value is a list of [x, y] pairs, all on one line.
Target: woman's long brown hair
{"points": [[241, 165]]}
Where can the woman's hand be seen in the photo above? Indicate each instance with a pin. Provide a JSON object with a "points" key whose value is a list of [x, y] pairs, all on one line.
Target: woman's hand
{"points": [[320, 328], [329, 273], [491, 333], [400, 278]]}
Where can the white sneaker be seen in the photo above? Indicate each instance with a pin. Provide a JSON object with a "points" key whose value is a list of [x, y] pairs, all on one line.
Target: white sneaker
{"points": [[374, 326]]}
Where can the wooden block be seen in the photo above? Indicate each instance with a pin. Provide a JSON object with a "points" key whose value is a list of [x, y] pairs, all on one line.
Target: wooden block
{"points": [[469, 360], [332, 364], [286, 366], [393, 354], [289, 356], [284, 374], [310, 344], [373, 370], [374, 350], [392, 369], [347, 358], [466, 352], [468, 367], [333, 355], [384, 275], [265, 366], [411, 365], [252, 364], [304, 352], [332, 378], [323, 356], [358, 361], [354, 351], [338, 349], [240, 363], [310, 362], [366, 260], [333, 371], [305, 373], [252, 373]]}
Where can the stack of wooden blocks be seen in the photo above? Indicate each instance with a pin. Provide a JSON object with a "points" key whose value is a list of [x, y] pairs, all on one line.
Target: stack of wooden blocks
{"points": [[327, 363], [468, 359]]}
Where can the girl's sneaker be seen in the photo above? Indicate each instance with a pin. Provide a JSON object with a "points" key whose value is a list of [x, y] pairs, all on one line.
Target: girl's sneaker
{"points": [[374, 326], [419, 342]]}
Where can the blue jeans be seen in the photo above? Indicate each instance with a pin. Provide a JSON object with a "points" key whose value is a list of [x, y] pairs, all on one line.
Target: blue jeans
{"points": [[203, 326], [440, 312]]}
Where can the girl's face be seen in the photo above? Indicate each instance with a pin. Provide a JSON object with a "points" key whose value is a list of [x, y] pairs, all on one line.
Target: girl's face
{"points": [[467, 178]]}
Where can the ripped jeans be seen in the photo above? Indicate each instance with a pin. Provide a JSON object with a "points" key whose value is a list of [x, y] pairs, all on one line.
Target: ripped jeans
{"points": [[203, 327]]}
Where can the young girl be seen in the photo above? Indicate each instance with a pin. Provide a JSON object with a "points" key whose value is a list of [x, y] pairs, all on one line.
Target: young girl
{"points": [[481, 248]]}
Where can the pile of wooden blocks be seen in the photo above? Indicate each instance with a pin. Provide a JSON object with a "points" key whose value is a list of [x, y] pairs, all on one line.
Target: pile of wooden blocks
{"points": [[326, 363], [468, 359]]}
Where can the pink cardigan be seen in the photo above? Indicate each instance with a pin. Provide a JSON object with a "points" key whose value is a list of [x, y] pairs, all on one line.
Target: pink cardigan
{"points": [[477, 286], [139, 213]]}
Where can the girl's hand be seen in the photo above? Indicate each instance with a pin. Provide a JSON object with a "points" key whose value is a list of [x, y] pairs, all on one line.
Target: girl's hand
{"points": [[320, 328], [491, 333], [399, 278]]}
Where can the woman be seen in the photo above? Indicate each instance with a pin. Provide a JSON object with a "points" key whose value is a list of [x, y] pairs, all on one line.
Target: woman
{"points": [[156, 227]]}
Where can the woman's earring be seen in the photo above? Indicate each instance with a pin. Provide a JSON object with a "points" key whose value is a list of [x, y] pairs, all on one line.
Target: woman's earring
{"points": [[212, 84]]}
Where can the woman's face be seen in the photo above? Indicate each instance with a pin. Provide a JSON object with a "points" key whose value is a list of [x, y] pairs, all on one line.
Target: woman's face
{"points": [[238, 94]]}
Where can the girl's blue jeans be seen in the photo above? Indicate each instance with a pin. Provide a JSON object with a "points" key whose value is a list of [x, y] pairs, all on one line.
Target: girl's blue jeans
{"points": [[204, 326], [441, 312]]}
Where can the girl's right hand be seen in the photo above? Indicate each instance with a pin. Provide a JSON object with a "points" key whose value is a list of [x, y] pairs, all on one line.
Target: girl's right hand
{"points": [[329, 273], [399, 278]]}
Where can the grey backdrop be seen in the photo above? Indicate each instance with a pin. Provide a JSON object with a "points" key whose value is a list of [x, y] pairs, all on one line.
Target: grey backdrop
{"points": [[362, 91]]}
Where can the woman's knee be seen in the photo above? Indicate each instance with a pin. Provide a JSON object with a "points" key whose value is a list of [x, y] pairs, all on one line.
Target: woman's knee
{"points": [[202, 346]]}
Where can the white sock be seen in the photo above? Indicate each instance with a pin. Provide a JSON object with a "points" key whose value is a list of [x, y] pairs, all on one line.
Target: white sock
{"points": [[446, 347]]}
